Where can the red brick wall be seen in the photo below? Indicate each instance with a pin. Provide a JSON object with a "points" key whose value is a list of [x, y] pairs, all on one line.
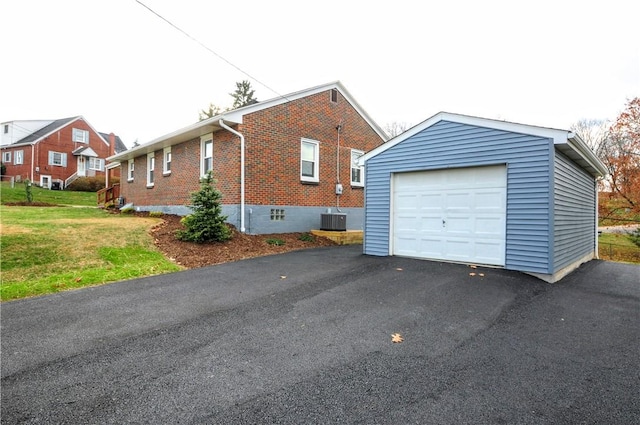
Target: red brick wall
{"points": [[59, 141], [272, 155]]}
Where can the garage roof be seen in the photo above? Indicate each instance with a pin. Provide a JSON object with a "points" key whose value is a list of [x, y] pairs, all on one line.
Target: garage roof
{"points": [[566, 141]]}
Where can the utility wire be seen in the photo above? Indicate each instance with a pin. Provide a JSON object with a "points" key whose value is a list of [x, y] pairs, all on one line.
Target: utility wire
{"points": [[210, 50]]}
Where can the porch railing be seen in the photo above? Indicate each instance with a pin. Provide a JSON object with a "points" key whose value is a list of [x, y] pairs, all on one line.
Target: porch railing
{"points": [[73, 177], [109, 195]]}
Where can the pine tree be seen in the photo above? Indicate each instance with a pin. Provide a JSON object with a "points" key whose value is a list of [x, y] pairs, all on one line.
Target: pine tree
{"points": [[243, 95], [206, 223]]}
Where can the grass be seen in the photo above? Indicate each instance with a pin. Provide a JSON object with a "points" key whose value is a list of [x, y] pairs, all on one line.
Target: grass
{"points": [[50, 249], [618, 247], [57, 197]]}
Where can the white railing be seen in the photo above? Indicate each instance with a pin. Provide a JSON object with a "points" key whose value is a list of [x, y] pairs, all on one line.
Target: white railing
{"points": [[70, 179]]}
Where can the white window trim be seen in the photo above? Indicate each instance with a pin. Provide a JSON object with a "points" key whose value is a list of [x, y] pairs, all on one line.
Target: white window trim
{"points": [[166, 152], [316, 161], [18, 157], [151, 169], [130, 169], [6, 157], [354, 165], [96, 164], [203, 140], [63, 159], [79, 135]]}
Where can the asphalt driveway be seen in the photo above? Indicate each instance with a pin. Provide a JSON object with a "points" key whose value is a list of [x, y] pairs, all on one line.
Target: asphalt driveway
{"points": [[305, 338]]}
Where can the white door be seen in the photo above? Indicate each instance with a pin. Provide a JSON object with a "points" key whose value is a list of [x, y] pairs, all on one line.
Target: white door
{"points": [[82, 166], [453, 215]]}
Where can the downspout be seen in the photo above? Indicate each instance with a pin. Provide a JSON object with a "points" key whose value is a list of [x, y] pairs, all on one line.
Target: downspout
{"points": [[339, 129], [33, 154], [226, 127]]}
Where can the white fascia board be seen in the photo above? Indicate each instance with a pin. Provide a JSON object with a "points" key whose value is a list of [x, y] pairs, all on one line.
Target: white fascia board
{"points": [[182, 135], [597, 167]]}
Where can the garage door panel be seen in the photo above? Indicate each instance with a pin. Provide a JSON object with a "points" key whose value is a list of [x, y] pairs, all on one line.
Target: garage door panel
{"points": [[490, 226], [492, 200], [453, 215]]}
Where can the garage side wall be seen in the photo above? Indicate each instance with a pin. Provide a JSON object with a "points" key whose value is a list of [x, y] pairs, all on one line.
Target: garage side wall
{"points": [[448, 145], [575, 206]]}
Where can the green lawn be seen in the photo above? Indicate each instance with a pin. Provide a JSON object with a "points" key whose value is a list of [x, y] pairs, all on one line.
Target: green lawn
{"points": [[50, 249], [618, 247], [59, 197]]}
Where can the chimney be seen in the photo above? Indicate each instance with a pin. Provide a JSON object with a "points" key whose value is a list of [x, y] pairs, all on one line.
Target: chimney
{"points": [[112, 143]]}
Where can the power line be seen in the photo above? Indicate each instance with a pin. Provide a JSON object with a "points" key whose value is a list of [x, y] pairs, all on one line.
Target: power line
{"points": [[208, 48]]}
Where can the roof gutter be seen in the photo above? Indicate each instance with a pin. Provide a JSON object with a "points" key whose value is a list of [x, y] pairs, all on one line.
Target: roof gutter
{"points": [[581, 147], [226, 127]]}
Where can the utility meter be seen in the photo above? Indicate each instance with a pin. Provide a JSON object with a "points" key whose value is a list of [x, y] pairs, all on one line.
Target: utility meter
{"points": [[338, 189]]}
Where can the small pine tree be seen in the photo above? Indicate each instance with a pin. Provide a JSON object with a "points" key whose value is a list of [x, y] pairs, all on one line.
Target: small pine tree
{"points": [[206, 223]]}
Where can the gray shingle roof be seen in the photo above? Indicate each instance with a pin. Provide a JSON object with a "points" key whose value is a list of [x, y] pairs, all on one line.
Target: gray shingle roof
{"points": [[36, 135]]}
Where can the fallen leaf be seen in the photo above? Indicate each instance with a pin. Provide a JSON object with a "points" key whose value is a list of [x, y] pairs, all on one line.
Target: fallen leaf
{"points": [[482, 274], [399, 269], [78, 279], [283, 277], [472, 274], [473, 267], [396, 338]]}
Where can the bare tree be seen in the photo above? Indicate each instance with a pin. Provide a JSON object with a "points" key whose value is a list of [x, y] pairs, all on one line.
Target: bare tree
{"points": [[395, 128], [594, 133]]}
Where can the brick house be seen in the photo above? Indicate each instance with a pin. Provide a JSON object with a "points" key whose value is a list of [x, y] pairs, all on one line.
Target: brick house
{"points": [[279, 164], [53, 153]]}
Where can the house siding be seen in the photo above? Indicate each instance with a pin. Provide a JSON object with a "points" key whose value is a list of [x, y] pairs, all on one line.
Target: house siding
{"points": [[453, 145], [272, 166], [575, 203]]}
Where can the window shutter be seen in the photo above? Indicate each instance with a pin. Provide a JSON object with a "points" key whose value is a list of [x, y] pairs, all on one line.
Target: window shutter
{"points": [[50, 157], [64, 159]]}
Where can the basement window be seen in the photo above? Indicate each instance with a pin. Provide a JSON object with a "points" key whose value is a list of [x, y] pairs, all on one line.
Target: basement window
{"points": [[277, 214]]}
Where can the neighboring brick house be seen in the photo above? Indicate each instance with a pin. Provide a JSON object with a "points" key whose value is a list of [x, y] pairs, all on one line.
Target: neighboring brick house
{"points": [[53, 153], [298, 150]]}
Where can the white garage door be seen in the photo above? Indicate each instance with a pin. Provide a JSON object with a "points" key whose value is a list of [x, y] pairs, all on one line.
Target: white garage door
{"points": [[454, 215]]}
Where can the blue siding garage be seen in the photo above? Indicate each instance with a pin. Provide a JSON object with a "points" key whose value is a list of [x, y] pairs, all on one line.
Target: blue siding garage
{"points": [[474, 190]]}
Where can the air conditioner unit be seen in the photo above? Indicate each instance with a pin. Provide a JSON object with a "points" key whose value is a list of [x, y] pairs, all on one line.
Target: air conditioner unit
{"points": [[335, 222]]}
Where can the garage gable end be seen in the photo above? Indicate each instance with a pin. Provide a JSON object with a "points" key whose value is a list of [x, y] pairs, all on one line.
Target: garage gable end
{"points": [[528, 160]]}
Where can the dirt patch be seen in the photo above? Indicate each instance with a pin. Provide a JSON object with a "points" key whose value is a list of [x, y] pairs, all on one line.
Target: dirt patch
{"points": [[241, 246]]}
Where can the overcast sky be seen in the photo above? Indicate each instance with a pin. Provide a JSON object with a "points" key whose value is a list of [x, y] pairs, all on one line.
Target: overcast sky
{"points": [[542, 62]]}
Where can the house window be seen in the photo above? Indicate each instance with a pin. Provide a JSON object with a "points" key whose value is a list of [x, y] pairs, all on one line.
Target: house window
{"points": [[130, 170], [357, 177], [277, 214], [206, 154], [96, 164], [18, 157], [309, 159], [151, 166], [334, 95], [6, 156], [80, 136], [166, 160], [58, 159], [6, 128]]}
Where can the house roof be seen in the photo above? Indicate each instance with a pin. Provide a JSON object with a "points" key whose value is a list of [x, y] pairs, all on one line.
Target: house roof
{"points": [[56, 125], [45, 131], [84, 151], [566, 141], [235, 117], [120, 146]]}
